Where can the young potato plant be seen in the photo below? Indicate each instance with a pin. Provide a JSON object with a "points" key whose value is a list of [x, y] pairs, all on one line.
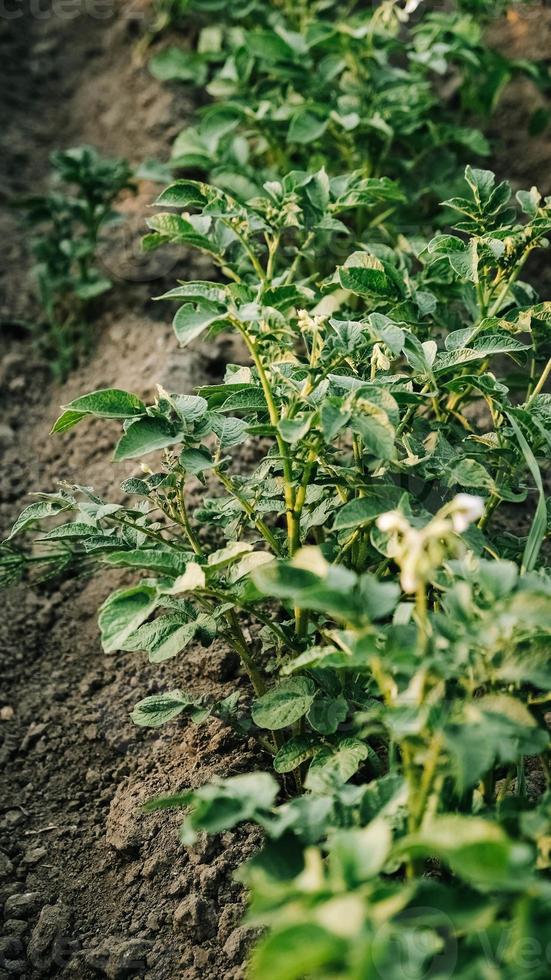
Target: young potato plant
{"points": [[395, 633], [64, 227], [389, 88]]}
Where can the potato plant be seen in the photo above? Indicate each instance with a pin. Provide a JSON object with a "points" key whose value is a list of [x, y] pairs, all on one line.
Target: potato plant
{"points": [[388, 88], [394, 634], [64, 225], [379, 567]]}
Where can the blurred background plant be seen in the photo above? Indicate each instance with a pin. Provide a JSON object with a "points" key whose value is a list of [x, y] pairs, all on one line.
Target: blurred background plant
{"points": [[64, 226]]}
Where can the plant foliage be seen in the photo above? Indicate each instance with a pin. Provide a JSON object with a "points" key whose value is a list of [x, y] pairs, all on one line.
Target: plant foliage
{"points": [[64, 226], [379, 567]]}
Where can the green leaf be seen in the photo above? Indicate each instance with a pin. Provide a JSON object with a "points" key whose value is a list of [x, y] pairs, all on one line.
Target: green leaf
{"points": [[465, 263], [185, 194], [191, 408], [90, 289], [216, 395], [529, 201], [163, 638], [376, 431], [334, 766], [76, 529], [306, 126], [268, 46], [292, 430], [66, 421], [173, 801], [487, 345], [106, 403], [498, 578], [365, 282], [476, 849], [481, 183], [169, 562], [292, 952], [471, 754], [247, 399], [175, 64], [210, 291], [357, 855], [471, 473], [38, 511], [538, 529], [145, 436], [284, 704], [230, 431], [231, 553], [318, 191], [122, 613], [192, 320], [196, 460], [327, 713], [157, 709], [378, 598], [248, 564], [223, 803], [332, 593], [296, 751], [362, 510]]}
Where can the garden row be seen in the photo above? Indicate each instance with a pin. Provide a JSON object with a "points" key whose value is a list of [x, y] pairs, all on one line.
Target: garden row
{"points": [[379, 568]]}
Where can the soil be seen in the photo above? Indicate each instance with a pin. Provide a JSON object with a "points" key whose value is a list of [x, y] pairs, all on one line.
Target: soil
{"points": [[90, 886]]}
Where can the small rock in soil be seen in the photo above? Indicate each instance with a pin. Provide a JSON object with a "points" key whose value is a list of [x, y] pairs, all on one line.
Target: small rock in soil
{"points": [[201, 957], [152, 866], [120, 958], [237, 944], [6, 867], [230, 917], [10, 947], [195, 917], [21, 906], [123, 832], [15, 927], [154, 921], [34, 854], [17, 968], [7, 435], [180, 886], [12, 818], [48, 943], [34, 732], [9, 888]]}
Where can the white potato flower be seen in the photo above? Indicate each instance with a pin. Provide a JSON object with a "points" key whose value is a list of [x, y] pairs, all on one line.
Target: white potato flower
{"points": [[420, 551], [465, 509], [392, 522]]}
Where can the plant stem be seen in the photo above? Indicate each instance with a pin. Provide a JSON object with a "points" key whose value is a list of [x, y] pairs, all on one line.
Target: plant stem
{"points": [[293, 519], [260, 525], [421, 609], [493, 501], [242, 649], [427, 779], [510, 282], [276, 630], [154, 535], [182, 510], [537, 390]]}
